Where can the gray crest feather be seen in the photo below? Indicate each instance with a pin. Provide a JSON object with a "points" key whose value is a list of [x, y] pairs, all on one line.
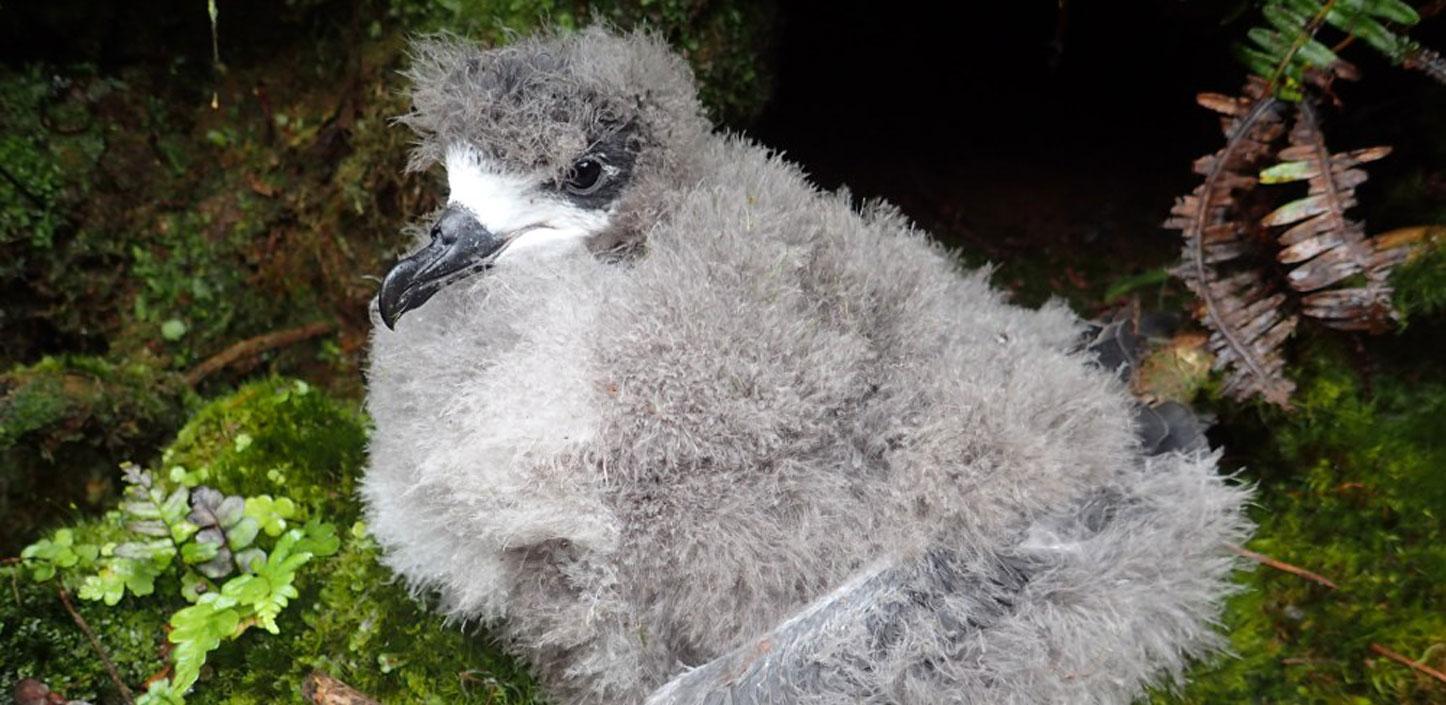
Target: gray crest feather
{"points": [[541, 100]]}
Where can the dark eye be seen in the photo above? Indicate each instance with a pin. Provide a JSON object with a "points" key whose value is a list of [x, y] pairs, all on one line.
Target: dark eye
{"points": [[585, 176]]}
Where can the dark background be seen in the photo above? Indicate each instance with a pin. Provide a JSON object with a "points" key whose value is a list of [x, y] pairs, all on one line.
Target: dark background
{"points": [[1028, 130]]}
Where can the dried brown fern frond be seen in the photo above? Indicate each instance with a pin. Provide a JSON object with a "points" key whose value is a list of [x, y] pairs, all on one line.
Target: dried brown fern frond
{"points": [[1241, 308], [1342, 273]]}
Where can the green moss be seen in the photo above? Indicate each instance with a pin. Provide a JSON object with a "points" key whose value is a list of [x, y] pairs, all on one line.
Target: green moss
{"points": [[277, 437], [358, 624], [65, 423], [51, 267], [126, 219], [48, 138], [28, 212], [40, 640], [1351, 488], [1420, 283]]}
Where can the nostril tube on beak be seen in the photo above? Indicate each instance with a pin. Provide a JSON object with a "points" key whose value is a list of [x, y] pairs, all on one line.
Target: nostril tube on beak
{"points": [[453, 224]]}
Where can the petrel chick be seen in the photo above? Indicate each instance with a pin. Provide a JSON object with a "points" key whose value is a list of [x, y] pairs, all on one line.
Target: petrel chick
{"points": [[681, 427]]}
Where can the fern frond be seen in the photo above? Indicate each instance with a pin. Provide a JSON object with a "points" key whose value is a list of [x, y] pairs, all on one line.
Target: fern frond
{"points": [[1287, 53], [1326, 247], [1242, 311]]}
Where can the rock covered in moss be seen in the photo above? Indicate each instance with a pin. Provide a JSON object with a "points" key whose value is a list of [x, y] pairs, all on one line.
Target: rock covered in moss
{"points": [[63, 422], [60, 262]]}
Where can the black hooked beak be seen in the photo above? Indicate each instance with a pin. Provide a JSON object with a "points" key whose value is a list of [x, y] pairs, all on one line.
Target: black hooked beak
{"points": [[460, 246]]}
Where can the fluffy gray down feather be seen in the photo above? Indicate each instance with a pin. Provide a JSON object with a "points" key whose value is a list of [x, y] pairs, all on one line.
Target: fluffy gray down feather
{"points": [[789, 452]]}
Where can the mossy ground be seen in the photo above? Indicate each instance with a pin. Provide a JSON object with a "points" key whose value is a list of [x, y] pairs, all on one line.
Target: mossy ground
{"points": [[1350, 487]]}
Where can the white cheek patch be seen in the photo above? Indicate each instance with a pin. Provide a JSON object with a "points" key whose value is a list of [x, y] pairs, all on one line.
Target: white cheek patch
{"points": [[511, 203]]}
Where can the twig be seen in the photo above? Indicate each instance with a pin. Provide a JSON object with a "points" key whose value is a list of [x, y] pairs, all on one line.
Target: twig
{"points": [[120, 685], [255, 346], [20, 187], [1283, 566], [1416, 665], [216, 64], [322, 689]]}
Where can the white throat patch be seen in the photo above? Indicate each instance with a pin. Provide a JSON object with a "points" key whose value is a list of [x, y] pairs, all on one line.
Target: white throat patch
{"points": [[516, 206]]}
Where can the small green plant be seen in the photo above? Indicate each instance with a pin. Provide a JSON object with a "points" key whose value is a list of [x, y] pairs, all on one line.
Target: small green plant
{"points": [[1289, 56], [235, 561]]}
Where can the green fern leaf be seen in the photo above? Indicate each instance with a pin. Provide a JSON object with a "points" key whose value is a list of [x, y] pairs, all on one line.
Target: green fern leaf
{"points": [[1368, 29], [1394, 11], [161, 693], [196, 631]]}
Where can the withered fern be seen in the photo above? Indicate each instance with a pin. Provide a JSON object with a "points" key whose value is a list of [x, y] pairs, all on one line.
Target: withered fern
{"points": [[1233, 249], [1241, 308]]}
